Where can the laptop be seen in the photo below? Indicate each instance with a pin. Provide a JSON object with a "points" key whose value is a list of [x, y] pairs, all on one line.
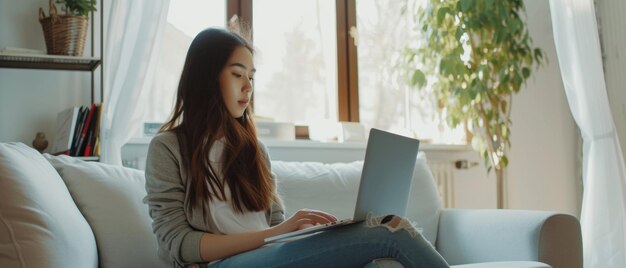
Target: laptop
{"points": [[385, 181]]}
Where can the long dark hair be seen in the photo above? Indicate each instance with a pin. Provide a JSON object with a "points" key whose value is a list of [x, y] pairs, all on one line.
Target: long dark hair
{"points": [[200, 118]]}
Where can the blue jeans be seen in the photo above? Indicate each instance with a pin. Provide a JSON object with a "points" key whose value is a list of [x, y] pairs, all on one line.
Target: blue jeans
{"points": [[354, 245]]}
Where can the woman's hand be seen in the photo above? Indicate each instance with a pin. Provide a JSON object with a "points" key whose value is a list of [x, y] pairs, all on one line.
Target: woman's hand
{"points": [[302, 219]]}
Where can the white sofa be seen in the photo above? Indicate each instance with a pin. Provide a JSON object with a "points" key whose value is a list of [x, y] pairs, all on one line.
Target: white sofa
{"points": [[63, 212]]}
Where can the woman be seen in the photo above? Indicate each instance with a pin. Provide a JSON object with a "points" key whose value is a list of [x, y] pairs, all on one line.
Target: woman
{"points": [[211, 193]]}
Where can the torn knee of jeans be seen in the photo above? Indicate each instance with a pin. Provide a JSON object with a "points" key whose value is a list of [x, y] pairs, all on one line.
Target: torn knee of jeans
{"points": [[393, 223]]}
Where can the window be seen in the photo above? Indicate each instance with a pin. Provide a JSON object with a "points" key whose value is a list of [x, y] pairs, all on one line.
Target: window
{"points": [[296, 61], [309, 69]]}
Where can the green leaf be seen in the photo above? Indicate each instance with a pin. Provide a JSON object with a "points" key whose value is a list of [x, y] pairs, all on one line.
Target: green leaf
{"points": [[504, 161], [466, 5], [441, 14], [525, 72], [418, 79], [489, 5], [482, 87], [443, 67], [499, 34], [472, 94], [458, 34], [517, 82], [464, 97], [538, 54], [504, 77], [503, 106], [457, 91], [453, 121], [514, 26]]}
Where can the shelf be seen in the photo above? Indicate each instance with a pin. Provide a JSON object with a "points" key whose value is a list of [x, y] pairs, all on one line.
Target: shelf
{"points": [[48, 62]]}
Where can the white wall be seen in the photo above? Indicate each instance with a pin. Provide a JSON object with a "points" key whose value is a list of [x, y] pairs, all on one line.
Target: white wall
{"points": [[544, 170], [544, 165]]}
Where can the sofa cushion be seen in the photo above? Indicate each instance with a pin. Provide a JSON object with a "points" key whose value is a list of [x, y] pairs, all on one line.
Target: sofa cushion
{"points": [[110, 197], [334, 187], [40, 226], [329, 187], [425, 201]]}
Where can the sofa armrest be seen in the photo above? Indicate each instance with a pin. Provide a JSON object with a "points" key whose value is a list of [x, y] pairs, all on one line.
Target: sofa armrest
{"points": [[473, 236]]}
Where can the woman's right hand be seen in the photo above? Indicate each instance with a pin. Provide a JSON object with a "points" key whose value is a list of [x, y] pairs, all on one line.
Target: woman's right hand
{"points": [[302, 219]]}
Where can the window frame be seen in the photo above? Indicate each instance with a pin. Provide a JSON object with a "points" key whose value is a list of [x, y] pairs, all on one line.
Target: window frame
{"points": [[347, 64]]}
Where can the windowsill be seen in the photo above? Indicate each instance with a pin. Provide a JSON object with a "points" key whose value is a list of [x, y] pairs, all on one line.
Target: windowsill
{"points": [[330, 145]]}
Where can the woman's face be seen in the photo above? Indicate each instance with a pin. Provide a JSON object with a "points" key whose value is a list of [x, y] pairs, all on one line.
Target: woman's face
{"points": [[236, 81]]}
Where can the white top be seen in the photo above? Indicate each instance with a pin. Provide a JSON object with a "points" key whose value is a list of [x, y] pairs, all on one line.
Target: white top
{"points": [[226, 219]]}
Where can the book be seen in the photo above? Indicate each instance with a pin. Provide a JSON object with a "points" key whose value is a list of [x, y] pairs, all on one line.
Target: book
{"points": [[80, 148], [92, 132], [64, 131], [96, 146], [78, 130]]}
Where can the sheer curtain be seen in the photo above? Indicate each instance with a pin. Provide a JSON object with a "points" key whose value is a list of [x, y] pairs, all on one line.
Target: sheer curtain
{"points": [[131, 28], [603, 216]]}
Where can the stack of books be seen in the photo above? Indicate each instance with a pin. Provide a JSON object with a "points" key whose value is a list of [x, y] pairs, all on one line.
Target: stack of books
{"points": [[77, 131]]}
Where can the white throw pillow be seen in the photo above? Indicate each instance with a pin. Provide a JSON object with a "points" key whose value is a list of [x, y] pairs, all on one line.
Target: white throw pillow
{"points": [[425, 201], [334, 188], [40, 226], [328, 187], [110, 197]]}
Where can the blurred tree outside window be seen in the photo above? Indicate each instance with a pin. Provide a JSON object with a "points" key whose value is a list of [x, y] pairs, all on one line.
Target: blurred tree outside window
{"points": [[386, 98]]}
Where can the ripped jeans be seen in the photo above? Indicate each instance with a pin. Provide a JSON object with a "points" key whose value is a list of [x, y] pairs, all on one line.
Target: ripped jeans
{"points": [[356, 245]]}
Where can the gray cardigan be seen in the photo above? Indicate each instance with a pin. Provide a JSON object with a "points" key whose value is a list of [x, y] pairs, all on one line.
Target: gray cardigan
{"points": [[178, 231]]}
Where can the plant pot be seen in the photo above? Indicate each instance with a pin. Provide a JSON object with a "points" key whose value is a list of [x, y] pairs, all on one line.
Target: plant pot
{"points": [[64, 35]]}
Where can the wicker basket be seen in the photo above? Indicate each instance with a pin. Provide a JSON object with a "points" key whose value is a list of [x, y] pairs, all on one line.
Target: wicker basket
{"points": [[65, 35]]}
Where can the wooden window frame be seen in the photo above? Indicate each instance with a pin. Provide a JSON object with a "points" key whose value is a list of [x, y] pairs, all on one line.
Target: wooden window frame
{"points": [[347, 64], [243, 10]]}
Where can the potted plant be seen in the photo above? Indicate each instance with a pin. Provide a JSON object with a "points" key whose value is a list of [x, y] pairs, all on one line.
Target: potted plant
{"points": [[476, 55], [66, 34], [78, 7]]}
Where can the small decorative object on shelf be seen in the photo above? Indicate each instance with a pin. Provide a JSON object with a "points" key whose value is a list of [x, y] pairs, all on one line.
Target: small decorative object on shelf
{"points": [[302, 132], [151, 128], [40, 142], [66, 34]]}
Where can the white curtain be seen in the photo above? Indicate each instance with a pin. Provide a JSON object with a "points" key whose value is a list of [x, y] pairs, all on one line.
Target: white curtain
{"points": [[603, 216], [131, 31]]}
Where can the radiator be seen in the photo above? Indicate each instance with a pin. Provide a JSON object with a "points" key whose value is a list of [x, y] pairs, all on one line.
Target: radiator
{"points": [[443, 172]]}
